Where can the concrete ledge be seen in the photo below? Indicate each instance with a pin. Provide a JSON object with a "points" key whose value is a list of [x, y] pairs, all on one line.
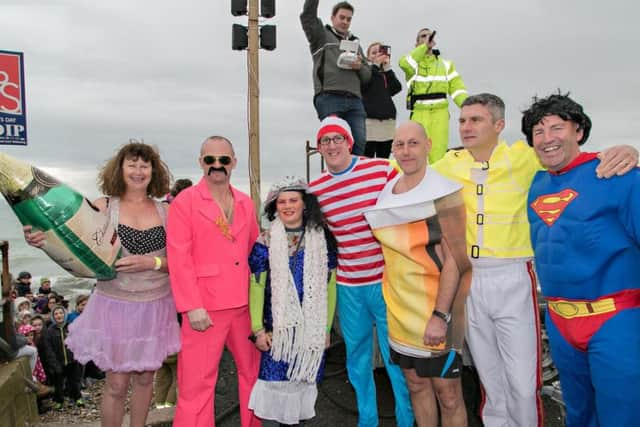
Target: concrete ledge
{"points": [[18, 405]]}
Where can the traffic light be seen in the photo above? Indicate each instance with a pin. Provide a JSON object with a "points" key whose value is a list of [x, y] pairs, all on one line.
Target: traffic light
{"points": [[268, 37], [268, 8], [239, 38], [238, 7]]}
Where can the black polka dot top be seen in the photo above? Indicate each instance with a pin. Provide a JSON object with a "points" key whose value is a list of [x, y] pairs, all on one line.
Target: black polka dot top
{"points": [[140, 242]]}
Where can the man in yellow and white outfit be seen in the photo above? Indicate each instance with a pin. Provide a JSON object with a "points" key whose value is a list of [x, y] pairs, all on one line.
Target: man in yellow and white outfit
{"points": [[430, 79], [502, 313]]}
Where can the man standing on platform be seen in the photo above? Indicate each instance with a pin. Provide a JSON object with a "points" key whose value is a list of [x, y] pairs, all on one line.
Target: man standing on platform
{"points": [[339, 68], [430, 80], [211, 229]]}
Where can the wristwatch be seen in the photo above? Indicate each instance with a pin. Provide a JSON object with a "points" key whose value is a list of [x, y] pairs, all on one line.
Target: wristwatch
{"points": [[444, 316]]}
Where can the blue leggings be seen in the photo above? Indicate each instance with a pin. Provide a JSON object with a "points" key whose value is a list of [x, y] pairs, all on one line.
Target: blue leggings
{"points": [[600, 387], [360, 308]]}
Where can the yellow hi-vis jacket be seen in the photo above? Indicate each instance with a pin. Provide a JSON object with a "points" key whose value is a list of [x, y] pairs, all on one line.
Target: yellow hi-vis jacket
{"points": [[495, 197], [425, 74]]}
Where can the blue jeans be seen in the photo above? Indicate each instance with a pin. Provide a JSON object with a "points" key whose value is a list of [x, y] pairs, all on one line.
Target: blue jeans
{"points": [[350, 109]]}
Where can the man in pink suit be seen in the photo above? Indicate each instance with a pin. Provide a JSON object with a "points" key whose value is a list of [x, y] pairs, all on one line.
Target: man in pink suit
{"points": [[211, 229]]}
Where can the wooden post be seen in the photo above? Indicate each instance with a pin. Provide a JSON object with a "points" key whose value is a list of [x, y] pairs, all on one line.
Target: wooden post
{"points": [[254, 105]]}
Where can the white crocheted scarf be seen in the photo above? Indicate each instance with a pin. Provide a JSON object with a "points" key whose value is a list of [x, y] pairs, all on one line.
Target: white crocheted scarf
{"points": [[298, 330]]}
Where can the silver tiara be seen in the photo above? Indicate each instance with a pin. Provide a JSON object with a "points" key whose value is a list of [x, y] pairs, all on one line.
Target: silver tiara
{"points": [[288, 183]]}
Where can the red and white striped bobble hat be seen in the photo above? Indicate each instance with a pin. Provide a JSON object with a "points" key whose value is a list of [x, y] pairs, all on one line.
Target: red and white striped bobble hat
{"points": [[335, 124]]}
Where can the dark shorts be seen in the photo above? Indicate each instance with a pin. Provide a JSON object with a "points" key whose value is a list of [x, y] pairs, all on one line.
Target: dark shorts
{"points": [[446, 366]]}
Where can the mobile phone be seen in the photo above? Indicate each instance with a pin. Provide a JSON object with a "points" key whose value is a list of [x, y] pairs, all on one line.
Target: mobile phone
{"points": [[433, 34], [384, 50]]}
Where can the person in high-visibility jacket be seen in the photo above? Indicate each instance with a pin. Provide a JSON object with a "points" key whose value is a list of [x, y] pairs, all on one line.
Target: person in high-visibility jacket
{"points": [[430, 79]]}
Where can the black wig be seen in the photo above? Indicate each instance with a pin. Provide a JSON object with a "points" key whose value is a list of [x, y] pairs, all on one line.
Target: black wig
{"points": [[559, 105]]}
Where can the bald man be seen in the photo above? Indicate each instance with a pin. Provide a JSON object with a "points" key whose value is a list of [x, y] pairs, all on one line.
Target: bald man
{"points": [[211, 229], [419, 220]]}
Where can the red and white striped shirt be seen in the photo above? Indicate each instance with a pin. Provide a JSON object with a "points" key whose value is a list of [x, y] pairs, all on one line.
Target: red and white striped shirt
{"points": [[343, 197]]}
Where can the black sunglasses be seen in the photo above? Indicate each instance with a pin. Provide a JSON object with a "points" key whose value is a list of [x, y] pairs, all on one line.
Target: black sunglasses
{"points": [[224, 160]]}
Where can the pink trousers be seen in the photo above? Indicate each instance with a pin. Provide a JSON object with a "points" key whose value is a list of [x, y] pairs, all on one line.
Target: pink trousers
{"points": [[198, 367]]}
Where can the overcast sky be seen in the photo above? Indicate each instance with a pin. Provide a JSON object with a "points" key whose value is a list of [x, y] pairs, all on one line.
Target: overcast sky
{"points": [[99, 73]]}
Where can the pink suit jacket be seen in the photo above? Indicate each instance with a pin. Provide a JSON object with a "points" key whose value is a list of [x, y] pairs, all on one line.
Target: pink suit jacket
{"points": [[207, 269]]}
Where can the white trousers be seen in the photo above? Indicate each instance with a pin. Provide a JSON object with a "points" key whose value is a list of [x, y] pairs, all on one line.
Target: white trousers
{"points": [[503, 333]]}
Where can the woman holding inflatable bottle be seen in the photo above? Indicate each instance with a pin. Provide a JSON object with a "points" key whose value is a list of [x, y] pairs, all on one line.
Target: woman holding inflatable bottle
{"points": [[129, 325]]}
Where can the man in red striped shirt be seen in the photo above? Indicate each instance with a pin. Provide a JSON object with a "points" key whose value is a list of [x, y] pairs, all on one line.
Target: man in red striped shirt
{"points": [[350, 185]]}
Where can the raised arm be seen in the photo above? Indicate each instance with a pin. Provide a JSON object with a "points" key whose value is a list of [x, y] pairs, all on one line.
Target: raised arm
{"points": [[409, 63], [312, 25]]}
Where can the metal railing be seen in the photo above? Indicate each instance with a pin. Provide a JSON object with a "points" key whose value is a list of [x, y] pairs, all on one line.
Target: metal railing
{"points": [[311, 151]]}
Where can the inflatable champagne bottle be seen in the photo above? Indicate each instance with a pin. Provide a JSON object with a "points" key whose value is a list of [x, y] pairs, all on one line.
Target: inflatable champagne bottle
{"points": [[80, 238]]}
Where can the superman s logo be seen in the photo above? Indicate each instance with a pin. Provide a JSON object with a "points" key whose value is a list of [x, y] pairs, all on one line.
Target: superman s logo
{"points": [[549, 207]]}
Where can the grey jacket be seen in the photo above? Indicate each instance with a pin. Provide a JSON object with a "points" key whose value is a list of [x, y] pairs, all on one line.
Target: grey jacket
{"points": [[324, 44]]}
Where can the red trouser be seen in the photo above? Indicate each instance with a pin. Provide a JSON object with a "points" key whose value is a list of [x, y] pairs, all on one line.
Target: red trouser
{"points": [[198, 367]]}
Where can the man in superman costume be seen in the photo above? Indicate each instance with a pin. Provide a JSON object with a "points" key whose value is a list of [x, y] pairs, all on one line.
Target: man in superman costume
{"points": [[585, 234]]}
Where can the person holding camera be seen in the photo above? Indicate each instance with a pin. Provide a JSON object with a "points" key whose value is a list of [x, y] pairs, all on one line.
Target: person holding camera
{"points": [[378, 103], [430, 79], [338, 68]]}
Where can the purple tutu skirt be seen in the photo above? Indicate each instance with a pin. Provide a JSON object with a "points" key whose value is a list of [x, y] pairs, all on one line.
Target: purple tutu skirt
{"points": [[125, 336]]}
